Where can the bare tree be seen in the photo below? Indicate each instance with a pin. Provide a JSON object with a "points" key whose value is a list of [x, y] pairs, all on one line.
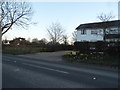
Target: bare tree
{"points": [[35, 40], [29, 39], [14, 13], [65, 39], [74, 36], [43, 41], [105, 17], [55, 32]]}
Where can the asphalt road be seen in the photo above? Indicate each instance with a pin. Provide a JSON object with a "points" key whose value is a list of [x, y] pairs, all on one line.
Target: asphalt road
{"points": [[20, 72]]}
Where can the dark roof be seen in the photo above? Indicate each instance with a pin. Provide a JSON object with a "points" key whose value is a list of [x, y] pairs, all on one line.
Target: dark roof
{"points": [[106, 24]]}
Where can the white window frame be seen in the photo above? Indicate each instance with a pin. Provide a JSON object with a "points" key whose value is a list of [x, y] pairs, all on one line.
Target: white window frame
{"points": [[114, 31], [94, 32], [83, 32]]}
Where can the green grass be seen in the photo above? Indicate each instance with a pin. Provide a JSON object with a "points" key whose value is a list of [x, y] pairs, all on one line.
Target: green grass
{"points": [[93, 59], [17, 51]]}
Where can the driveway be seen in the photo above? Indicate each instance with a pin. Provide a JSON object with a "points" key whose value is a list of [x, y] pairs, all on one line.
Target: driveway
{"points": [[51, 56]]}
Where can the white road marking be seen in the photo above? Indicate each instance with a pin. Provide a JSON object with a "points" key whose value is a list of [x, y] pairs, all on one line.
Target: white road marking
{"points": [[46, 68], [94, 78]]}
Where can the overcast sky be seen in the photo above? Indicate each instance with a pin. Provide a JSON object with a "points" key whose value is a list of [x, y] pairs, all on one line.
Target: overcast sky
{"points": [[68, 14]]}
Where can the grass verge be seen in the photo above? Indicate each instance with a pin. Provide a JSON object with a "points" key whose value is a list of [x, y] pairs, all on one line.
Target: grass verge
{"points": [[96, 59], [17, 51]]}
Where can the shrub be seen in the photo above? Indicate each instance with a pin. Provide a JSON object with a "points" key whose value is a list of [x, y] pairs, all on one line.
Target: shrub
{"points": [[93, 58]]}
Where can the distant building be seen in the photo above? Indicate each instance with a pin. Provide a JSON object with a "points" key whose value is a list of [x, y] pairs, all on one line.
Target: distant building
{"points": [[93, 32], [18, 42]]}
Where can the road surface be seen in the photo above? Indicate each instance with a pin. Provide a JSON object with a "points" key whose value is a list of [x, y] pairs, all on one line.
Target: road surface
{"points": [[24, 72]]}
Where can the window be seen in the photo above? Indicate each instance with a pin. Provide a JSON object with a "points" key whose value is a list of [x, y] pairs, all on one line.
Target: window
{"points": [[83, 31], [94, 32], [114, 31]]}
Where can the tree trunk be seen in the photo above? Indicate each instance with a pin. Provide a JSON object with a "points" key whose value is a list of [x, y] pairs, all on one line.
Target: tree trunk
{"points": [[104, 34]]}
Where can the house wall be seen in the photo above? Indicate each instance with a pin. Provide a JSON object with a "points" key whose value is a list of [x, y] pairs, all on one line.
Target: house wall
{"points": [[90, 37], [96, 37]]}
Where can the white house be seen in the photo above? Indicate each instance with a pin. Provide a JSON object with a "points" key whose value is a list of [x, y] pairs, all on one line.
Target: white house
{"points": [[95, 31]]}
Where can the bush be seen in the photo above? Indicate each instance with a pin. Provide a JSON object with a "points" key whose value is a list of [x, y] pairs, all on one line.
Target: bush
{"points": [[16, 51], [93, 58], [110, 48]]}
